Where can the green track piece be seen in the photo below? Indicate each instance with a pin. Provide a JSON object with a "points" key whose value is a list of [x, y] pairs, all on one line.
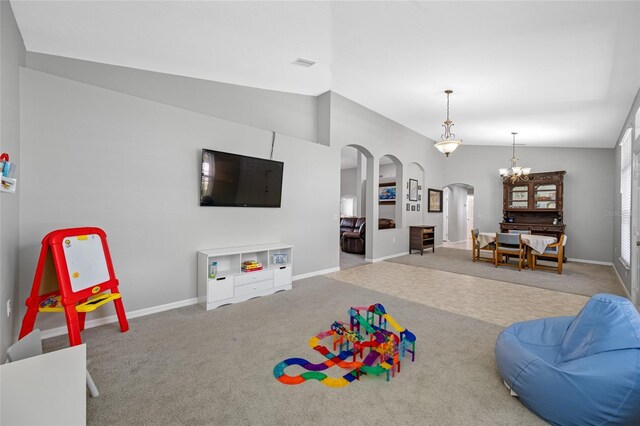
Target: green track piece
{"points": [[310, 375]]}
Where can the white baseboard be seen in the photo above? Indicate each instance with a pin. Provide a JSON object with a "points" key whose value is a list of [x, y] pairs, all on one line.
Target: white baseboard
{"points": [[624, 287], [391, 256], [315, 273], [594, 262], [58, 331]]}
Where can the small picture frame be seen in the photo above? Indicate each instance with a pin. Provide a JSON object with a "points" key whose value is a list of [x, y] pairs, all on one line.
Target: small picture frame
{"points": [[419, 197], [418, 207], [419, 187], [413, 190], [279, 259], [413, 208], [408, 207]]}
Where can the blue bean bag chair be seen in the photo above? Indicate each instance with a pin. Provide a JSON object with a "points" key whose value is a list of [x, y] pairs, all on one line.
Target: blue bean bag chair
{"points": [[582, 370]]}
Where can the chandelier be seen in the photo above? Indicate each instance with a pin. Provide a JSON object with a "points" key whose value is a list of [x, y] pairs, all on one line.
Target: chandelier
{"points": [[449, 143], [515, 173]]}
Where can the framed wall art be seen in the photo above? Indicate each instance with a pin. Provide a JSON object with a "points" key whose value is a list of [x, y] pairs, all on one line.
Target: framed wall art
{"points": [[434, 201], [387, 193]]}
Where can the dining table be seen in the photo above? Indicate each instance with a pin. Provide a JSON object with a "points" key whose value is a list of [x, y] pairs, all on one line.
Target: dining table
{"points": [[536, 243]]}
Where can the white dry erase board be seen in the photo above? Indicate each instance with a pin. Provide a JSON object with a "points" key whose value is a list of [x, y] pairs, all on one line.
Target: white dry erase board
{"points": [[86, 262]]}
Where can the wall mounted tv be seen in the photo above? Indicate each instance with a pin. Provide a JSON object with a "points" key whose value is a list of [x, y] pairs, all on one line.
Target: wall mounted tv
{"points": [[231, 180]]}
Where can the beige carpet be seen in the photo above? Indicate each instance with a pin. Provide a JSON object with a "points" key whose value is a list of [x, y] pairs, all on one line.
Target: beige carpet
{"points": [[578, 278], [192, 367]]}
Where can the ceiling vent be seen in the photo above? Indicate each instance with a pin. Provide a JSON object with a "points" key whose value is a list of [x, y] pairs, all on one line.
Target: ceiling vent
{"points": [[304, 62]]}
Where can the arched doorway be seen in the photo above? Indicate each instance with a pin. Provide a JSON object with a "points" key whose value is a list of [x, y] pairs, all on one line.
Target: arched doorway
{"points": [[354, 163]]}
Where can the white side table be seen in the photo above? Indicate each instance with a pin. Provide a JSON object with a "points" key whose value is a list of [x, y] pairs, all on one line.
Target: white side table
{"points": [[45, 389]]}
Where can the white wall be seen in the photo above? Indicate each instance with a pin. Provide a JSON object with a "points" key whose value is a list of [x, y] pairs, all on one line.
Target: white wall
{"points": [[12, 56], [260, 108], [348, 182], [587, 190], [95, 157]]}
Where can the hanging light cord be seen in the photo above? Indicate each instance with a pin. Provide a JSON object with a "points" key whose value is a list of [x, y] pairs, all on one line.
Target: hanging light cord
{"points": [[448, 124]]}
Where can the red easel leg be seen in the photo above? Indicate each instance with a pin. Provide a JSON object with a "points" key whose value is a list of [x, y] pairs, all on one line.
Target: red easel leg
{"points": [[73, 325], [122, 316], [28, 322], [33, 301], [81, 316]]}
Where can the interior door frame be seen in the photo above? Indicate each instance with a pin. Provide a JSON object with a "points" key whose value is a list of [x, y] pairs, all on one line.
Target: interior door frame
{"points": [[635, 230], [470, 207], [445, 213]]}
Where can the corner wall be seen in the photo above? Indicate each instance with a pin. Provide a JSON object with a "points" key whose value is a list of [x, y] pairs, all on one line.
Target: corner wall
{"points": [[12, 56]]}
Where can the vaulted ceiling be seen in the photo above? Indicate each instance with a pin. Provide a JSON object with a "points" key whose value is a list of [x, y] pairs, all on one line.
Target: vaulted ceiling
{"points": [[558, 73]]}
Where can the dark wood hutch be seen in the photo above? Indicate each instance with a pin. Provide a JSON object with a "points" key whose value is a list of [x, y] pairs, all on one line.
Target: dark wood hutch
{"points": [[534, 205]]}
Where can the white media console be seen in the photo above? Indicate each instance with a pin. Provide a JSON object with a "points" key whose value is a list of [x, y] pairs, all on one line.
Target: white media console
{"points": [[231, 285]]}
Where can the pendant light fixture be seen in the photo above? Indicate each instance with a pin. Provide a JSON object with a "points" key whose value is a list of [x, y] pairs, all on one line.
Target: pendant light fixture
{"points": [[448, 142], [515, 173]]}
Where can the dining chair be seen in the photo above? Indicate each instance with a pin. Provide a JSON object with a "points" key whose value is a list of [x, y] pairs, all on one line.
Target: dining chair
{"points": [[509, 245], [475, 252], [552, 252]]}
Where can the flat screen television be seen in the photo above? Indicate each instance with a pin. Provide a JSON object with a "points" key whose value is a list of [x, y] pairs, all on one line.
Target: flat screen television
{"points": [[231, 180]]}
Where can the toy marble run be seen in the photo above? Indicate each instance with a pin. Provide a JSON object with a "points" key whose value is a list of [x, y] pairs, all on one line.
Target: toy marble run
{"points": [[386, 348]]}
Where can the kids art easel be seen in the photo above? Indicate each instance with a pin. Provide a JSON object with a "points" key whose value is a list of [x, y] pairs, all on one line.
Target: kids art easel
{"points": [[74, 270]]}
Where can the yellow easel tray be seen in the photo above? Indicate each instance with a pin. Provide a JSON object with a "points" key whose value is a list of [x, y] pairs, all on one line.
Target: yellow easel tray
{"points": [[90, 305]]}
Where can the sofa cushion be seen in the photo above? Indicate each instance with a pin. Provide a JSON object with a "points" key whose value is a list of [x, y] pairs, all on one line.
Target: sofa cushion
{"points": [[350, 234], [348, 222]]}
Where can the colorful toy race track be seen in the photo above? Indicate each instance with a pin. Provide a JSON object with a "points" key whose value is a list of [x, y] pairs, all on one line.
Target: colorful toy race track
{"points": [[386, 348]]}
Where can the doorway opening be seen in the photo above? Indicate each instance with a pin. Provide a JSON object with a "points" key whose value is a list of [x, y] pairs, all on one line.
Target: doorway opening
{"points": [[353, 211], [446, 192], [457, 218]]}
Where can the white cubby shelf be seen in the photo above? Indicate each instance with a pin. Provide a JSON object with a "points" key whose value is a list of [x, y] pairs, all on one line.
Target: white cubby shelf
{"points": [[231, 285]]}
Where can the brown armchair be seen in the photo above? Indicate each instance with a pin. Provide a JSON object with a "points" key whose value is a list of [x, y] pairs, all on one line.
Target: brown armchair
{"points": [[350, 224], [352, 240]]}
